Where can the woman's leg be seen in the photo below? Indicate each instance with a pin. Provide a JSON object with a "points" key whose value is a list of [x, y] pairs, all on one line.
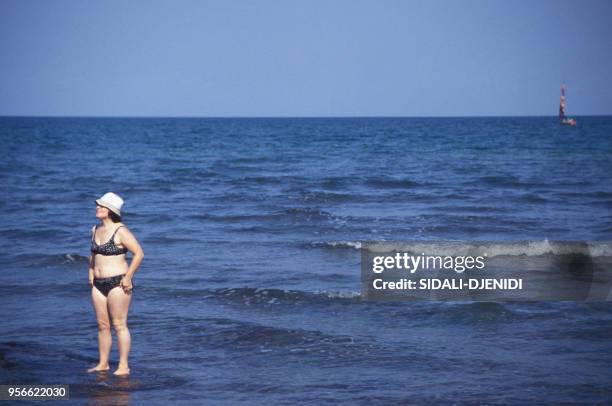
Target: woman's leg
{"points": [[105, 340], [118, 306]]}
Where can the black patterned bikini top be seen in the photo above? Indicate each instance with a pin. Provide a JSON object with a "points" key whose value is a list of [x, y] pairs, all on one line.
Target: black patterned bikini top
{"points": [[108, 248]]}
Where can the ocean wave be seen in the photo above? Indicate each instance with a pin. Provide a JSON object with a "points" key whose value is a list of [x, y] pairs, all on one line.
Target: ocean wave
{"points": [[251, 296], [515, 181], [602, 203], [493, 180], [157, 218], [253, 337], [46, 260], [257, 180], [274, 296], [35, 233], [165, 239], [494, 249], [531, 198], [295, 214], [470, 209], [462, 313], [242, 334], [336, 244], [336, 182], [329, 197], [389, 183]]}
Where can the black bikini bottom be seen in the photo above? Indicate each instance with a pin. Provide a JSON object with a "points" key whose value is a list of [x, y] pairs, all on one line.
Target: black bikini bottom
{"points": [[104, 285]]}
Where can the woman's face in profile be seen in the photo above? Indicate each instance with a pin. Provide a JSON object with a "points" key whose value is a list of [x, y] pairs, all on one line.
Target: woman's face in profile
{"points": [[101, 212]]}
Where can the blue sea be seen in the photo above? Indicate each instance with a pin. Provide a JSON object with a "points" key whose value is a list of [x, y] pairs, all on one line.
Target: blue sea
{"points": [[249, 292]]}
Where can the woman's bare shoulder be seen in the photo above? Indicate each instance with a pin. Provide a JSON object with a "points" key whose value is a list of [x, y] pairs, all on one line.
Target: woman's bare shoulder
{"points": [[124, 234], [123, 229]]}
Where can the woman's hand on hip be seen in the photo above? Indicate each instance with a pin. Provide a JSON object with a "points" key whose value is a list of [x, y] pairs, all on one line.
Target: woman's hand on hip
{"points": [[91, 278], [126, 284]]}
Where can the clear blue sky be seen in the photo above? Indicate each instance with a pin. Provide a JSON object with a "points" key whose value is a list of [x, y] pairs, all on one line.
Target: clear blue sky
{"points": [[304, 58]]}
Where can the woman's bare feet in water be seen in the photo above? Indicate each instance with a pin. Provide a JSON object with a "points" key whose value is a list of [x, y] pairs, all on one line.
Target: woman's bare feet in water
{"points": [[121, 370], [99, 368]]}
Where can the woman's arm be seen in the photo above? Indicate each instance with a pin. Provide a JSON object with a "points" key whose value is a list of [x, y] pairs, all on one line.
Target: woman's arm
{"points": [[91, 263], [129, 241], [91, 272]]}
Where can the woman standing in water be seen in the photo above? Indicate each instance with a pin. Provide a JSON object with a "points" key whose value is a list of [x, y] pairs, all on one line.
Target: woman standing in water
{"points": [[111, 279]]}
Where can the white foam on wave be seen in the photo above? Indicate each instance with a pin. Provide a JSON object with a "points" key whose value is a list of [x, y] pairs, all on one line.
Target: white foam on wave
{"points": [[493, 249], [338, 244], [338, 294]]}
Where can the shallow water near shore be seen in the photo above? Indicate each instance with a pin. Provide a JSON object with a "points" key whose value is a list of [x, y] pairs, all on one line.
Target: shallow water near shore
{"points": [[250, 289]]}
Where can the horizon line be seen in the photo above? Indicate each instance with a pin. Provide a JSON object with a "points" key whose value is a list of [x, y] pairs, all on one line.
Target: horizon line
{"points": [[294, 117]]}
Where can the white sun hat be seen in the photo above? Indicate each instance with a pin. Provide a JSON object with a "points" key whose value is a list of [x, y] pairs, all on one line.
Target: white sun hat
{"points": [[112, 202]]}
